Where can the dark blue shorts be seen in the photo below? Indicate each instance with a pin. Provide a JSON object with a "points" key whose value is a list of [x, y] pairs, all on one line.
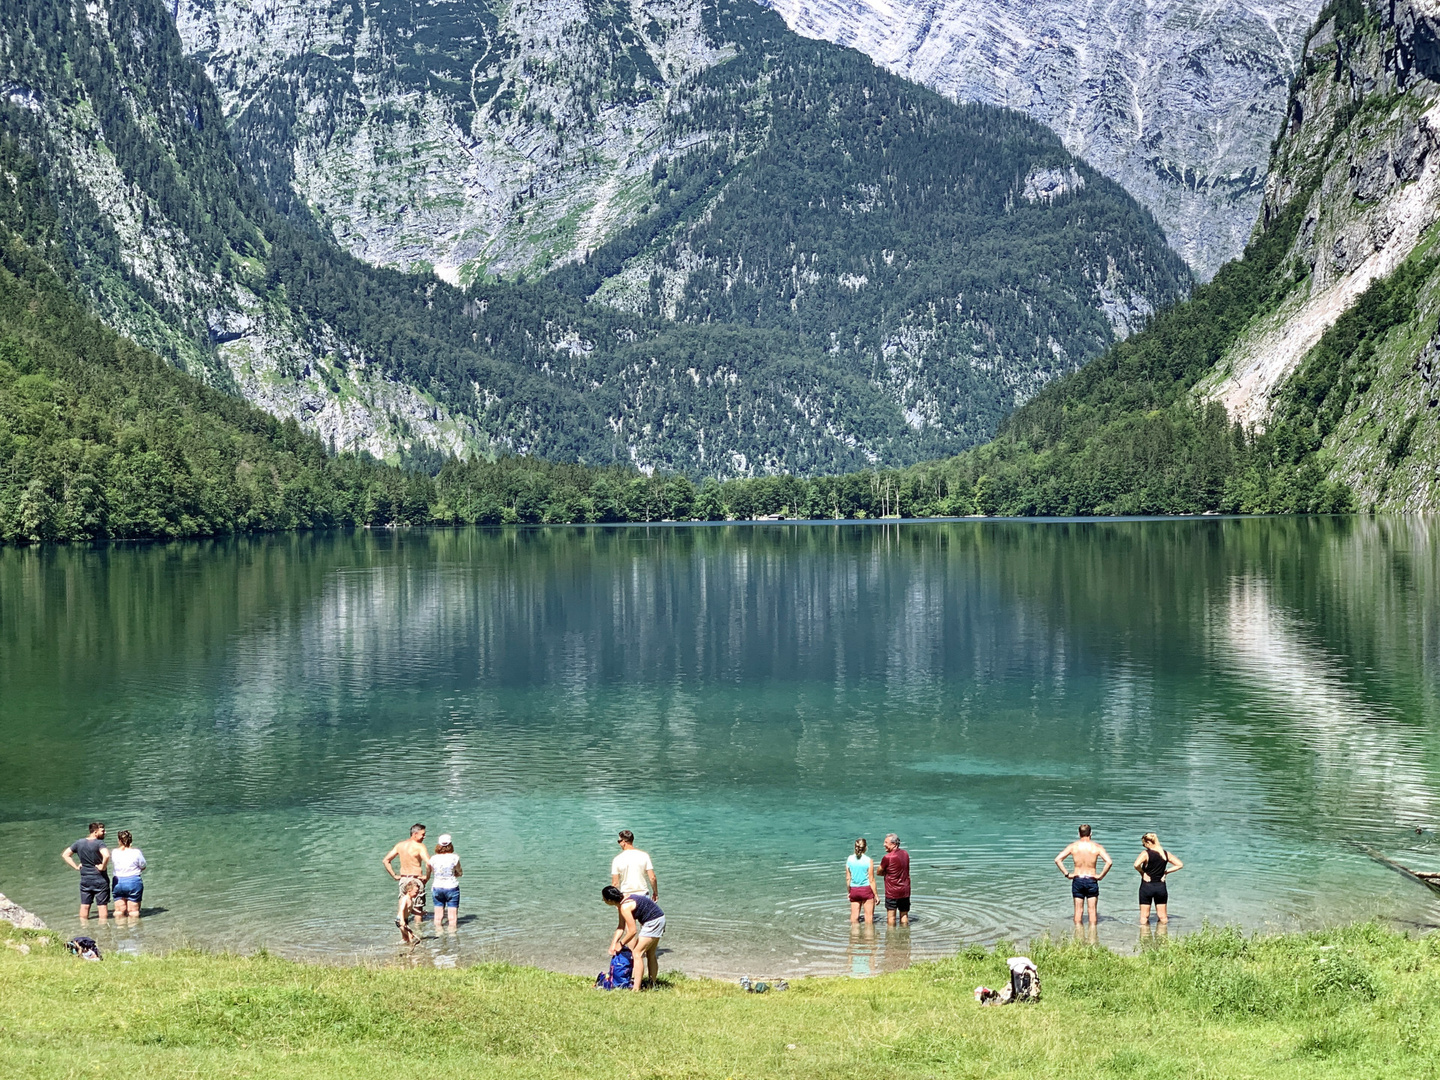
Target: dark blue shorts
{"points": [[1083, 888], [128, 888], [443, 898], [96, 891]]}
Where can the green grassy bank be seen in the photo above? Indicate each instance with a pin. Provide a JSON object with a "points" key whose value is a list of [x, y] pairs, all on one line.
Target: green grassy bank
{"points": [[1358, 1001]]}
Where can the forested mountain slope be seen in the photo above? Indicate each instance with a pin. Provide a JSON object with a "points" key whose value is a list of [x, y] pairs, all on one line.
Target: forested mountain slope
{"points": [[820, 267], [99, 438], [1176, 100], [1305, 375]]}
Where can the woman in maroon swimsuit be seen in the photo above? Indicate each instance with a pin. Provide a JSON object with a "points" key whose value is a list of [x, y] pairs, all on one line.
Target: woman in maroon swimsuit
{"points": [[860, 881]]}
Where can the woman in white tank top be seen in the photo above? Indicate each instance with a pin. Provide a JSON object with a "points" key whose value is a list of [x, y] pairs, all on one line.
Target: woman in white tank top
{"points": [[445, 885]]}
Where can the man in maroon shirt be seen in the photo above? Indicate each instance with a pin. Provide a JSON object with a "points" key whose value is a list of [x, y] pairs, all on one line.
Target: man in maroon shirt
{"points": [[895, 865]]}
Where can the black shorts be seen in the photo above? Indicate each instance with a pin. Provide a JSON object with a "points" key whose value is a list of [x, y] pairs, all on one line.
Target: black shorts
{"points": [[1154, 892], [94, 892], [1082, 888], [898, 903]]}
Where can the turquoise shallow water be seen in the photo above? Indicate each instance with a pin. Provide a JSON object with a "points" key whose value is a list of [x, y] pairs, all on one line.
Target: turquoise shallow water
{"points": [[269, 715]]}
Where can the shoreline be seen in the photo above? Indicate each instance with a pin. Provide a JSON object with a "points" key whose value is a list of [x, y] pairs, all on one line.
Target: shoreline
{"points": [[405, 527], [1120, 936], [1355, 1000]]}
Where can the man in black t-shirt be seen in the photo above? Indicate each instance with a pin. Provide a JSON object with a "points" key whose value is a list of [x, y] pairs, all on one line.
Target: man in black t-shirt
{"points": [[90, 856]]}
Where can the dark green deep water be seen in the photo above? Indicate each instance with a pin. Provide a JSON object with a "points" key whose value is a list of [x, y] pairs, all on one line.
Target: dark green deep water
{"points": [[269, 715]]}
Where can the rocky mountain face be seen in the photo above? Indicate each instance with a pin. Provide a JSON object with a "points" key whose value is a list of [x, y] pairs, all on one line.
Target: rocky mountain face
{"points": [[1358, 168], [466, 137], [1178, 100], [1305, 377], [478, 139], [170, 245], [764, 253]]}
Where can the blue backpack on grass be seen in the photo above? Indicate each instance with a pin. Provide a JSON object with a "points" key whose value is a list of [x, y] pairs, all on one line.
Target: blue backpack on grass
{"points": [[621, 975]]}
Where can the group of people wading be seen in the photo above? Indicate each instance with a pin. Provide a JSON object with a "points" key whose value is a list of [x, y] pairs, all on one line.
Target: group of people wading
{"points": [[1154, 864], [634, 892], [634, 889]]}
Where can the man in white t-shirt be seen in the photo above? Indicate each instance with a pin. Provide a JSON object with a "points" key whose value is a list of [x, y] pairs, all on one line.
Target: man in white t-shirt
{"points": [[631, 871]]}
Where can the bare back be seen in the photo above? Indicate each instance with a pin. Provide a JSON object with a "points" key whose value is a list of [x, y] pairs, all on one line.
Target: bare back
{"points": [[1086, 854], [413, 856]]}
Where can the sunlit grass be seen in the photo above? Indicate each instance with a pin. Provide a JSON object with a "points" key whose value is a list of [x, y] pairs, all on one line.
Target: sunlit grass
{"points": [[1359, 1001]]}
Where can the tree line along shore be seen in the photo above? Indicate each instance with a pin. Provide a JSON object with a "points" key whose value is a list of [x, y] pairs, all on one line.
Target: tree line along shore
{"points": [[1344, 1002], [100, 439]]}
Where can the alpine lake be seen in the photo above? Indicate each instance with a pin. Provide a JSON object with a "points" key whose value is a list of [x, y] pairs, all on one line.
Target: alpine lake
{"points": [[269, 715]]}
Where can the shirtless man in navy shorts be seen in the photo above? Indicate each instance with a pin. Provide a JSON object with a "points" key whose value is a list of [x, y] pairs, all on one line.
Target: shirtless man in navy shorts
{"points": [[1084, 881]]}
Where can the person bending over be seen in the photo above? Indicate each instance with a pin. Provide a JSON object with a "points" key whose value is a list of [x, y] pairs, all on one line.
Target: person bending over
{"points": [[411, 907], [1084, 881], [641, 924]]}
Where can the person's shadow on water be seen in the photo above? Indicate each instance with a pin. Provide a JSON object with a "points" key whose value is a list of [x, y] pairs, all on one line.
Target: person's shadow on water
{"points": [[151, 912]]}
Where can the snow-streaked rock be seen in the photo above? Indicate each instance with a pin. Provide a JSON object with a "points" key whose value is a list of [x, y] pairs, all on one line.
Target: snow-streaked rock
{"points": [[1178, 100]]}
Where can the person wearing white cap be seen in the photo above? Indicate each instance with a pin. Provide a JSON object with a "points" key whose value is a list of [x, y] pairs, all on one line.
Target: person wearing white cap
{"points": [[445, 885]]}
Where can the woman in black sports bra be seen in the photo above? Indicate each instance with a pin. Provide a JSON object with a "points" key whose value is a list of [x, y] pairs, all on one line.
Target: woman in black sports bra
{"points": [[1153, 864]]}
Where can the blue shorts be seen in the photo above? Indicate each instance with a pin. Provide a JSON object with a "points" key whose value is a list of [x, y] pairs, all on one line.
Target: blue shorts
{"points": [[128, 888], [443, 898], [1083, 888], [94, 891]]}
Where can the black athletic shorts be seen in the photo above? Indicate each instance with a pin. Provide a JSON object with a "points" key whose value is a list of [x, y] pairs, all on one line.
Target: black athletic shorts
{"points": [[94, 892], [898, 903], [1154, 892]]}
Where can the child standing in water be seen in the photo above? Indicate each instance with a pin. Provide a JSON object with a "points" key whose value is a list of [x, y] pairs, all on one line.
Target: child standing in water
{"points": [[860, 881], [412, 906]]}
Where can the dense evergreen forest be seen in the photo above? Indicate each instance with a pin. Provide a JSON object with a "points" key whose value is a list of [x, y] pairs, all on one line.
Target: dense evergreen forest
{"points": [[100, 439], [810, 170]]}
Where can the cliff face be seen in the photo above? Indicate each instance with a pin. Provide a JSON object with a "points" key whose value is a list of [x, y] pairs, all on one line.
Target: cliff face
{"points": [[1359, 166], [1177, 101], [166, 245], [464, 137]]}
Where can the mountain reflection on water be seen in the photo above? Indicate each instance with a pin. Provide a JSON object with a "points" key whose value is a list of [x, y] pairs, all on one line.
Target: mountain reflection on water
{"points": [[268, 715]]}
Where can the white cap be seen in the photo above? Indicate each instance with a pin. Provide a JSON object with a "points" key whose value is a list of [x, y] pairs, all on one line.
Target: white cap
{"points": [[444, 839]]}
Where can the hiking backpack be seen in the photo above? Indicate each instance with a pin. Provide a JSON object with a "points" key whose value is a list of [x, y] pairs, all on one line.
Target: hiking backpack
{"points": [[620, 976], [1024, 980]]}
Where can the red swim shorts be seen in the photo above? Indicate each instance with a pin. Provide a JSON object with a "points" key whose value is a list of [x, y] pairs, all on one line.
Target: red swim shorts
{"points": [[862, 894]]}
